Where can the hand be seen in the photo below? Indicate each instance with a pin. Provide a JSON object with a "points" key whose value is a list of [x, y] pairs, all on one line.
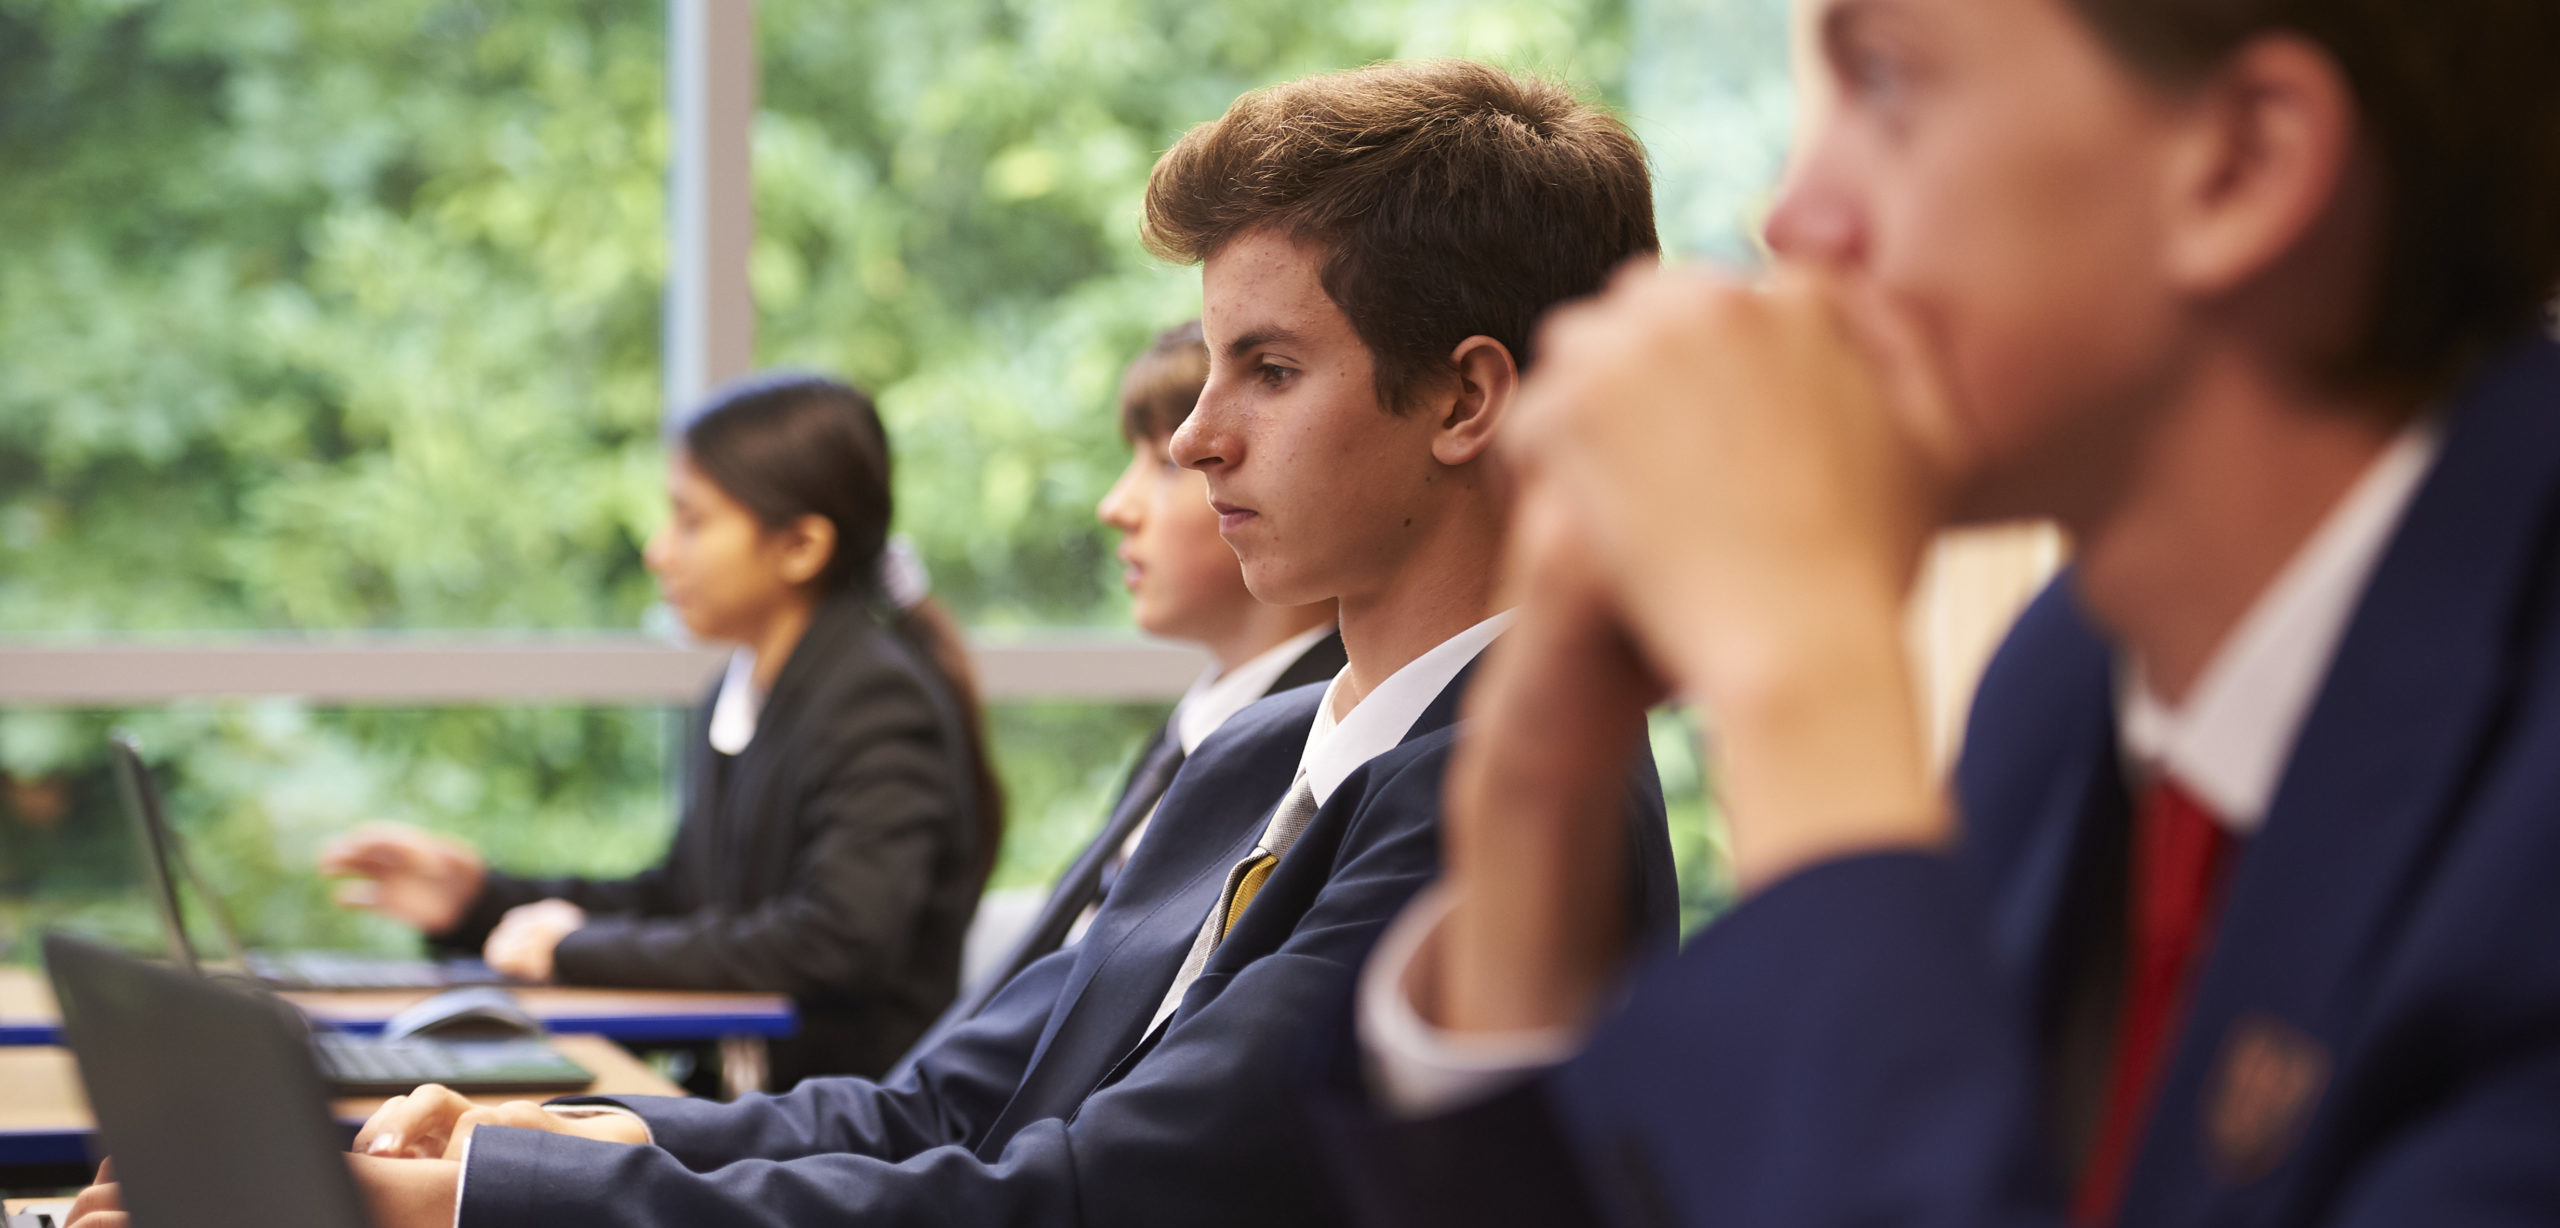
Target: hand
{"points": [[433, 1121], [1753, 473], [424, 880], [522, 945], [102, 1204], [1534, 832]]}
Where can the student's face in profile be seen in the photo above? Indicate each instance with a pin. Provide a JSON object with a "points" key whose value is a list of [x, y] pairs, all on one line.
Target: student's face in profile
{"points": [[719, 567], [1317, 485], [1992, 168], [1183, 581]]}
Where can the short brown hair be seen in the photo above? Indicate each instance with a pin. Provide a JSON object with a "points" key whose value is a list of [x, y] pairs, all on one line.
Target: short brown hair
{"points": [[2461, 101], [1162, 384], [1457, 200]]}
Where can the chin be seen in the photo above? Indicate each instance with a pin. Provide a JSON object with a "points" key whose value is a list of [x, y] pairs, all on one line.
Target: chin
{"points": [[1280, 586]]}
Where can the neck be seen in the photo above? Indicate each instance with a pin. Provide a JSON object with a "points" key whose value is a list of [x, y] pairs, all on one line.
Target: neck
{"points": [[772, 643], [1445, 584], [1264, 628], [2222, 491]]}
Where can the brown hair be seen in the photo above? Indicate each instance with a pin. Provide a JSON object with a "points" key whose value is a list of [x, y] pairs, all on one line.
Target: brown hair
{"points": [[791, 445], [1162, 384], [1457, 200], [2460, 99]]}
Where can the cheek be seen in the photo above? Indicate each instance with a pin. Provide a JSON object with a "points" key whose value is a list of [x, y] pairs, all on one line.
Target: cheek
{"points": [[1197, 557], [2034, 273]]}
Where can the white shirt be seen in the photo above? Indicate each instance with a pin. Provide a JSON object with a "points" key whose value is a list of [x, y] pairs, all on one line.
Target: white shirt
{"points": [[2228, 744], [1216, 696], [740, 703], [1338, 745]]}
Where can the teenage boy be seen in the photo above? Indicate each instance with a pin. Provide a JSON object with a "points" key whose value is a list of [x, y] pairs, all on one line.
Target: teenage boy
{"points": [[1365, 340], [1184, 584], [2250, 920]]}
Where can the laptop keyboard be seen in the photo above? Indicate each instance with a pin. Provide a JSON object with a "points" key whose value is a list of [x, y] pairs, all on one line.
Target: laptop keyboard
{"points": [[460, 1064], [345, 970]]}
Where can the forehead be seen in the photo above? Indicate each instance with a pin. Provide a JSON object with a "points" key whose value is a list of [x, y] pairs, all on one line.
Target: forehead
{"points": [[1265, 284]]}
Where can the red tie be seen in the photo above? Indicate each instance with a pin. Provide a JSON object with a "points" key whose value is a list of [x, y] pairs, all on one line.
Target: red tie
{"points": [[2178, 853]]}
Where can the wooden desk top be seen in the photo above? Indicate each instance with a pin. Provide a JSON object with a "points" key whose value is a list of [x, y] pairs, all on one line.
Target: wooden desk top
{"points": [[40, 1086], [28, 1015]]}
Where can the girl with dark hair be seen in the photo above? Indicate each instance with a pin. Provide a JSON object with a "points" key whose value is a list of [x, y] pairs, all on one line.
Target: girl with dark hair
{"points": [[840, 815]]}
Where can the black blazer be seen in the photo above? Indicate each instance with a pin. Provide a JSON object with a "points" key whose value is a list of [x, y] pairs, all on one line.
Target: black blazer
{"points": [[836, 859], [1049, 1107]]}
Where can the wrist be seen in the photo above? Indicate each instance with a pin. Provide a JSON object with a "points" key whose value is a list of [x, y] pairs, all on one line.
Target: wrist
{"points": [[1822, 752]]}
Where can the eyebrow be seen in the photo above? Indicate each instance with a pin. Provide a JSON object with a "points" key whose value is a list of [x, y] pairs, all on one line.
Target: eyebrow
{"points": [[1258, 338], [1842, 18]]}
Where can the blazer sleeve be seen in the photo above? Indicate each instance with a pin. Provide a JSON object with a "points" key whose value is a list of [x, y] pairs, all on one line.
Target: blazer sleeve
{"points": [[873, 823], [1843, 1049], [1198, 1130]]}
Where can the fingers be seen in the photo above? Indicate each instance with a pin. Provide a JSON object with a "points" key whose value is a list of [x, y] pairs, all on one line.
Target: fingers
{"points": [[99, 1206], [374, 846], [414, 1126]]}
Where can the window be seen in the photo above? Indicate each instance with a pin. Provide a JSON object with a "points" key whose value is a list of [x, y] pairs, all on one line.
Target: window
{"points": [[327, 320]]}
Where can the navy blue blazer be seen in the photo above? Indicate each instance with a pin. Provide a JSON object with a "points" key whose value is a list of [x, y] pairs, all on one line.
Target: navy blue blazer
{"points": [[2374, 1036], [1048, 1107]]}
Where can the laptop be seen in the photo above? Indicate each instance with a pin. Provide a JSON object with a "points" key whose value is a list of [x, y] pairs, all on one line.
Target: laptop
{"points": [[205, 1095], [282, 969], [354, 1065]]}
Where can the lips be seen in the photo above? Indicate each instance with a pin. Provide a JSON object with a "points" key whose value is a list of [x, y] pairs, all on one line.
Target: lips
{"points": [[1130, 570], [1230, 516]]}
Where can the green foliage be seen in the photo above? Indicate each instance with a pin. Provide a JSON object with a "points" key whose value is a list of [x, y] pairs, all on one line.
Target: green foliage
{"points": [[321, 316]]}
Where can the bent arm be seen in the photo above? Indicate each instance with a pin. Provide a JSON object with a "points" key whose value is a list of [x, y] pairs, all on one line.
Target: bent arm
{"points": [[876, 829]]}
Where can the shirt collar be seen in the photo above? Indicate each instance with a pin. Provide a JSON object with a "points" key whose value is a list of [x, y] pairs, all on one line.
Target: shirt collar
{"points": [[734, 713], [1337, 748], [2229, 742], [1217, 696]]}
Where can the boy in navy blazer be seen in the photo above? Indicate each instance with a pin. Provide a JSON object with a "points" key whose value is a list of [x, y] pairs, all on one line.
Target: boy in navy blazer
{"points": [[1365, 341], [2243, 913]]}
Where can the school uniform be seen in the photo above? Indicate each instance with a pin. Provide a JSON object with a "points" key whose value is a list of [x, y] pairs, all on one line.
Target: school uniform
{"points": [[1304, 659], [1137, 1077], [828, 849], [2288, 954]]}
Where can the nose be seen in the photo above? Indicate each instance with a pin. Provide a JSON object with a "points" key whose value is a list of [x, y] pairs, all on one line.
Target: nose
{"points": [[1817, 220], [1204, 441], [656, 554], [1120, 505]]}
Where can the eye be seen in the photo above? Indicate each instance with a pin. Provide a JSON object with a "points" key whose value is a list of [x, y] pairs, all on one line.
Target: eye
{"points": [[1272, 375]]}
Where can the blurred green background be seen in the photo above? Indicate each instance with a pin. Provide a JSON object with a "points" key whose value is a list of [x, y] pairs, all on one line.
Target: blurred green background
{"points": [[321, 316]]}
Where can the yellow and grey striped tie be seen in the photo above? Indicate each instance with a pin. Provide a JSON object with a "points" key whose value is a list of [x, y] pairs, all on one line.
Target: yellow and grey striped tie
{"points": [[1245, 881]]}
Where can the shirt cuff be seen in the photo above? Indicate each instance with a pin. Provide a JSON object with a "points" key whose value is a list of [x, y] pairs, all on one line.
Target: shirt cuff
{"points": [[462, 1178], [1417, 1068]]}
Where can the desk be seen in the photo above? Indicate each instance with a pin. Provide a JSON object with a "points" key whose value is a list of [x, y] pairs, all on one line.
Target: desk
{"points": [[44, 1117], [28, 1015]]}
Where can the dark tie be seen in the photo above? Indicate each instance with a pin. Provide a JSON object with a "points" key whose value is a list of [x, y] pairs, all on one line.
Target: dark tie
{"points": [[2179, 852], [1082, 885]]}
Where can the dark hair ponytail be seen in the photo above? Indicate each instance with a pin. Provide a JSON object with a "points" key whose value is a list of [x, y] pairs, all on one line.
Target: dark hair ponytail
{"points": [[794, 445]]}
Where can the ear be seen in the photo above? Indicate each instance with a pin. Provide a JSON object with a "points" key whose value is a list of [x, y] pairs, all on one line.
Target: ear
{"points": [[1487, 379], [2273, 137], [804, 547]]}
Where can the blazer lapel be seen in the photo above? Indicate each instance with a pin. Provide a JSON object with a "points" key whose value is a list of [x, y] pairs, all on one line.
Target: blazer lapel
{"points": [[1208, 821], [2419, 678], [832, 632]]}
